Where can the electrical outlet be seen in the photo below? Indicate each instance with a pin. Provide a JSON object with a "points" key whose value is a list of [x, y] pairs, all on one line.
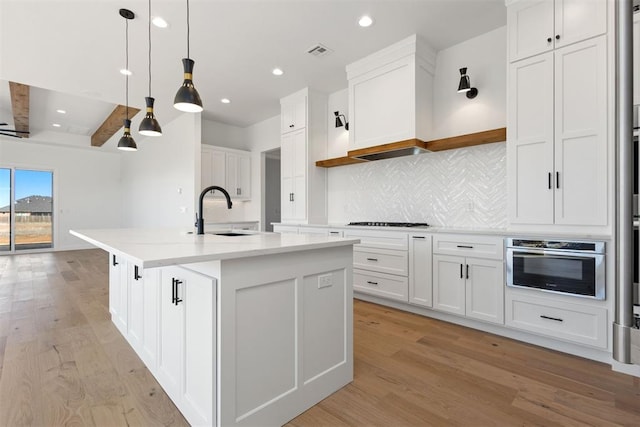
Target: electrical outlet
{"points": [[325, 281]]}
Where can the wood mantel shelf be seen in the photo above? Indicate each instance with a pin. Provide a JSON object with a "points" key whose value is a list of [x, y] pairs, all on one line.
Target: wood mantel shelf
{"points": [[460, 141]]}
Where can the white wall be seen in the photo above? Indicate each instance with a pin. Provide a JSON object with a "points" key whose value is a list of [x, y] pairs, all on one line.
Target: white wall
{"points": [[485, 57], [463, 187], [86, 185], [224, 135], [159, 180], [262, 136], [337, 138]]}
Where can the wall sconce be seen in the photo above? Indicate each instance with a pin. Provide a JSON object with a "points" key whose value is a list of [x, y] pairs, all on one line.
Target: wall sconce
{"points": [[339, 122], [465, 84]]}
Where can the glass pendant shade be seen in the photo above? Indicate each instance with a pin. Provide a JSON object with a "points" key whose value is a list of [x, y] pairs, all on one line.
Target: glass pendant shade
{"points": [[149, 126], [126, 142], [187, 99], [465, 83]]}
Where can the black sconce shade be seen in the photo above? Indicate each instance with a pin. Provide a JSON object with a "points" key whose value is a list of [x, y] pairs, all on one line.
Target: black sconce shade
{"points": [[465, 84], [339, 122]]}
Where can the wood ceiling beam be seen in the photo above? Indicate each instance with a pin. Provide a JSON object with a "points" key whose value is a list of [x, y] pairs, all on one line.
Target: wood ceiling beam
{"points": [[112, 124], [20, 107]]}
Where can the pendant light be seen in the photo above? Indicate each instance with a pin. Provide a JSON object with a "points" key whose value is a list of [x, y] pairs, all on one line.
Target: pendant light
{"points": [[149, 126], [187, 99], [126, 142]]}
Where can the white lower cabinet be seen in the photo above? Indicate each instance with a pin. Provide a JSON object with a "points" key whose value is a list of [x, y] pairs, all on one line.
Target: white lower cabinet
{"points": [[187, 339], [420, 270], [578, 323], [469, 286], [118, 292], [380, 284]]}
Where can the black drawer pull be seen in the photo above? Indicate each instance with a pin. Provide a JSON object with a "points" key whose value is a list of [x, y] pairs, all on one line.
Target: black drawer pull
{"points": [[465, 246], [334, 232], [372, 283], [136, 274], [418, 237], [114, 261], [557, 319], [372, 259], [174, 290]]}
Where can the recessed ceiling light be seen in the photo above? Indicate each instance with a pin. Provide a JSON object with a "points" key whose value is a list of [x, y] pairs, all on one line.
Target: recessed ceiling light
{"points": [[61, 111], [225, 100], [365, 21], [56, 125], [125, 72], [277, 72], [159, 22]]}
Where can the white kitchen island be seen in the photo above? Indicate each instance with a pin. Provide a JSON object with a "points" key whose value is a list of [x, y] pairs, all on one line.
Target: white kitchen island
{"points": [[238, 330]]}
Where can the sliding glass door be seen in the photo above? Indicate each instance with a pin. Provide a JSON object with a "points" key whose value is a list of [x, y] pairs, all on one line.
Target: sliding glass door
{"points": [[26, 209], [5, 210]]}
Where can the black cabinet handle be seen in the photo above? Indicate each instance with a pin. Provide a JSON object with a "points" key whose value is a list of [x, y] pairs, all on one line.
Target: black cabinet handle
{"points": [[549, 180], [418, 237], [114, 261], [334, 232], [174, 283], [557, 319], [557, 179], [461, 271], [372, 259], [549, 40], [291, 125], [372, 283], [293, 197], [465, 246], [557, 36], [136, 274], [467, 271]]}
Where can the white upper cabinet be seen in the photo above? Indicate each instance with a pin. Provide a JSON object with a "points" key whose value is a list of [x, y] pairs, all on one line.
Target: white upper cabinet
{"points": [[390, 94], [227, 168], [293, 115], [557, 138], [303, 185], [537, 26]]}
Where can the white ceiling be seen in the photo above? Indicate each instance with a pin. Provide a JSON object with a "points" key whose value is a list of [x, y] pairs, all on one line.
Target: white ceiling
{"points": [[77, 47]]}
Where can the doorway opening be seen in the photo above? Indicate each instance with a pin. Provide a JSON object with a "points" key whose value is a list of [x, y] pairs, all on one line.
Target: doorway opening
{"points": [[26, 209], [271, 188]]}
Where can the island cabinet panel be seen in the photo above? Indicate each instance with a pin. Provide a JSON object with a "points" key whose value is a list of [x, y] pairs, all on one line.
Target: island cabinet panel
{"points": [[118, 292], [187, 334], [285, 333], [269, 331]]}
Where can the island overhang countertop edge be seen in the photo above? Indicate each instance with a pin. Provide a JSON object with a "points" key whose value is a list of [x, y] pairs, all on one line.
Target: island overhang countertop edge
{"points": [[160, 247]]}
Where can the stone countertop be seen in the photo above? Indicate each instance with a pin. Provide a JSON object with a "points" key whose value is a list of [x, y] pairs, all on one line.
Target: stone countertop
{"points": [[150, 248], [504, 232]]}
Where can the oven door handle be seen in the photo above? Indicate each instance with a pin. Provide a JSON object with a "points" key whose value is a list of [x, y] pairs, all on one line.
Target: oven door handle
{"points": [[551, 253]]}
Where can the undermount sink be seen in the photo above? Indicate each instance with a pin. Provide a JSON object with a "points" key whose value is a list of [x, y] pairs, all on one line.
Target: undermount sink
{"points": [[227, 233]]}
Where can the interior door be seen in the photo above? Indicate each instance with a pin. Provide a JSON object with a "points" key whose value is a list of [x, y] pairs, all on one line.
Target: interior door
{"points": [[5, 210]]}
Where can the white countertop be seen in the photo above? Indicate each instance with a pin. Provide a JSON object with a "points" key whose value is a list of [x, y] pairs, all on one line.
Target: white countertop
{"points": [[505, 232], [160, 247]]}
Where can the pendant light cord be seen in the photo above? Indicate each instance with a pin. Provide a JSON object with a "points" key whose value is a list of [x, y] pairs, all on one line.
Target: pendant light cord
{"points": [[127, 68], [188, 29], [149, 48]]}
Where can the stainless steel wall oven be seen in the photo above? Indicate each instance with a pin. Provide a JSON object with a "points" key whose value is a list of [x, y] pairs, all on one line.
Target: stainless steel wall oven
{"points": [[561, 266]]}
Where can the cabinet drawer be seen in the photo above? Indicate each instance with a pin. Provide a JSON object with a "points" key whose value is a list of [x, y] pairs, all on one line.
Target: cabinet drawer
{"points": [[476, 246], [379, 239], [571, 322], [380, 284], [384, 261]]}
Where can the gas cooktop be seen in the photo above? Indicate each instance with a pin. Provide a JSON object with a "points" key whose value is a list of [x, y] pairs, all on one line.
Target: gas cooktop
{"points": [[390, 224]]}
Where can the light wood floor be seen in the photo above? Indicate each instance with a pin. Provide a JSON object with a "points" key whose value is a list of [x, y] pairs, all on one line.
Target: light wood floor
{"points": [[62, 362]]}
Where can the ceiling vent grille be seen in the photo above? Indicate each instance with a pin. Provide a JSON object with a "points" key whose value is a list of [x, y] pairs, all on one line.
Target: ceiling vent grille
{"points": [[319, 50]]}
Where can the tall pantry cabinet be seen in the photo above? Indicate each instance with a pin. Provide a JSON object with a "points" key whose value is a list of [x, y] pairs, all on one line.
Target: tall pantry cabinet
{"points": [[303, 141], [557, 150]]}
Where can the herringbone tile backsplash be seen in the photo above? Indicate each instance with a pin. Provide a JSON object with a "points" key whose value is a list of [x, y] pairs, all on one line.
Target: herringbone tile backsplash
{"points": [[456, 188]]}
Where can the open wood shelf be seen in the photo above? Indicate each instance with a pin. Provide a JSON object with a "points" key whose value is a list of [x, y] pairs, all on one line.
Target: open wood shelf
{"points": [[460, 141]]}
